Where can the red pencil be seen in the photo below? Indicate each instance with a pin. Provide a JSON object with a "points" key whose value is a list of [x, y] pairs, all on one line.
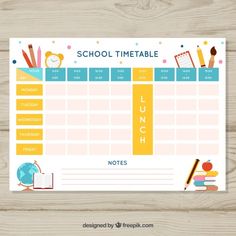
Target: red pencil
{"points": [[27, 59]]}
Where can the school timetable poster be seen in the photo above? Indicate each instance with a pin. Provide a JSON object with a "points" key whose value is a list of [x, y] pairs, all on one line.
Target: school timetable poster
{"points": [[117, 114]]}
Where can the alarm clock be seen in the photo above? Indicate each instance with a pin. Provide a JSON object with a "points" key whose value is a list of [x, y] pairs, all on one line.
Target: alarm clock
{"points": [[53, 60]]}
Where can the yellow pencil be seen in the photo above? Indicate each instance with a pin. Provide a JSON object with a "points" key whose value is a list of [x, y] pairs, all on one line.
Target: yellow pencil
{"points": [[200, 57]]}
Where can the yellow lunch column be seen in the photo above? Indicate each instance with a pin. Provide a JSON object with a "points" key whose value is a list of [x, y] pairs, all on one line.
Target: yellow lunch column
{"points": [[142, 111], [29, 106]]}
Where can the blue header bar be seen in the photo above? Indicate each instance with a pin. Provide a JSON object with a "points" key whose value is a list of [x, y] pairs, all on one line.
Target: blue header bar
{"points": [[164, 74], [124, 74], [55, 74], [120, 74], [98, 74], [208, 74], [77, 74], [186, 74]]}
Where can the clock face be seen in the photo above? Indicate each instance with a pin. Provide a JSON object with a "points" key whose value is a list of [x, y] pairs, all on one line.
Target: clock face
{"points": [[53, 61]]}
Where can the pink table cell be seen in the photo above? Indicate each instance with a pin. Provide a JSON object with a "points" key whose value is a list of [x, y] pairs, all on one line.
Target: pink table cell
{"points": [[99, 90], [186, 89], [208, 149], [121, 90], [54, 89], [120, 149], [99, 134], [164, 89], [208, 134], [186, 119], [120, 105], [164, 119], [164, 149], [164, 134], [77, 119], [99, 149], [54, 105], [208, 104], [164, 104], [77, 89], [98, 119], [121, 134], [77, 105], [185, 149], [55, 149], [77, 134], [121, 119], [186, 104], [208, 119], [96, 105], [186, 134], [54, 119], [76, 149], [55, 134], [208, 90]]}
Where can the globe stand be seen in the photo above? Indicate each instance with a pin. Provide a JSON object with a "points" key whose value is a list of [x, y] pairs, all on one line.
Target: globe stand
{"points": [[27, 188]]}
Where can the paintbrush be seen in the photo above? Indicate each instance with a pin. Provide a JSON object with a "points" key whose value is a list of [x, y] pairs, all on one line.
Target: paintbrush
{"points": [[212, 58]]}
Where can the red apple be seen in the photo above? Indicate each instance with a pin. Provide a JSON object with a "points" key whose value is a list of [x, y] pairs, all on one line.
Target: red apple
{"points": [[207, 166]]}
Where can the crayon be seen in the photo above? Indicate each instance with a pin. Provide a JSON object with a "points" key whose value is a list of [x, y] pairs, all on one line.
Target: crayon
{"points": [[27, 59]]}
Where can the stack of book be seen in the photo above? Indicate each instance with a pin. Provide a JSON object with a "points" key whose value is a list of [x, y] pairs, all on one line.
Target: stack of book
{"points": [[205, 180]]}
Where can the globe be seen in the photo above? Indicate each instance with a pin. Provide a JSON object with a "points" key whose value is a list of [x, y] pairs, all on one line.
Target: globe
{"points": [[26, 172]]}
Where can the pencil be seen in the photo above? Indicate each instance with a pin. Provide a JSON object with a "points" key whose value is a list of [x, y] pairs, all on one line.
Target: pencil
{"points": [[191, 174], [31, 50], [39, 57], [27, 59], [200, 57]]}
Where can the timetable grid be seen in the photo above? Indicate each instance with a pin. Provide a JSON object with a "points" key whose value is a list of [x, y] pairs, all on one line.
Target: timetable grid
{"points": [[84, 113]]}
